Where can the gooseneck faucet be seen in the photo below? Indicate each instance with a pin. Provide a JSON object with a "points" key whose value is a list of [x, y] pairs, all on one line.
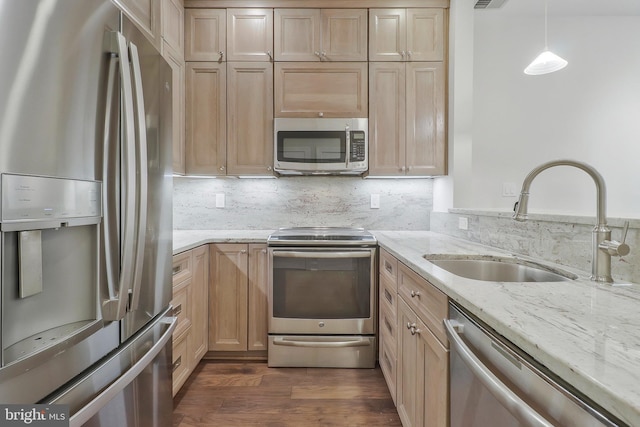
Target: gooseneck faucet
{"points": [[603, 246]]}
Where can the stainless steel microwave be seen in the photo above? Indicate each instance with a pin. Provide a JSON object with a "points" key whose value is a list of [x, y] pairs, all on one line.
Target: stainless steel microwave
{"points": [[321, 146]]}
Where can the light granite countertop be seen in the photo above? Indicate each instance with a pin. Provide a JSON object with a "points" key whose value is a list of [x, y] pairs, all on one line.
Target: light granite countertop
{"points": [[586, 333]]}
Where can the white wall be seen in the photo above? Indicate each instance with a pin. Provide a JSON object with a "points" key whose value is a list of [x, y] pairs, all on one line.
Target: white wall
{"points": [[589, 111]]}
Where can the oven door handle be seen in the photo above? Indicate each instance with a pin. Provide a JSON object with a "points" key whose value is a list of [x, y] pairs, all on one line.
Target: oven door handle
{"points": [[338, 254], [358, 342], [507, 398]]}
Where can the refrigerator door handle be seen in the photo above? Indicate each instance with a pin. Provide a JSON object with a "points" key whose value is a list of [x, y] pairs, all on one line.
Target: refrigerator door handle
{"points": [[142, 172], [94, 406], [114, 308]]}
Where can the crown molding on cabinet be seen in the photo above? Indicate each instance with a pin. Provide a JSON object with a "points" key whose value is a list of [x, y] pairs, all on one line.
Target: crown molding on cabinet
{"points": [[336, 4]]}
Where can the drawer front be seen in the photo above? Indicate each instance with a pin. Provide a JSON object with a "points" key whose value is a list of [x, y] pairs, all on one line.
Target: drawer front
{"points": [[429, 303], [388, 294], [388, 365], [388, 325], [180, 362], [389, 267], [182, 307], [182, 267]]}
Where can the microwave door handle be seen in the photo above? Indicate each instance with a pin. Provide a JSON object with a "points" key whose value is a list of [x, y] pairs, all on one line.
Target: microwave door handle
{"points": [[114, 308], [142, 174], [347, 150], [300, 254]]}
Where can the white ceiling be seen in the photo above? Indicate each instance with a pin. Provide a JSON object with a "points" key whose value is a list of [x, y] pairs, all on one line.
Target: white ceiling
{"points": [[572, 7]]}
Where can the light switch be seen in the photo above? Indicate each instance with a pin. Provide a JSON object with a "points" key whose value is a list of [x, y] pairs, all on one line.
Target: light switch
{"points": [[375, 201], [220, 200]]}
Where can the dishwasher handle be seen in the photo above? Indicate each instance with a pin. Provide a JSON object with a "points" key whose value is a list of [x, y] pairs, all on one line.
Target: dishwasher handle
{"points": [[507, 398]]}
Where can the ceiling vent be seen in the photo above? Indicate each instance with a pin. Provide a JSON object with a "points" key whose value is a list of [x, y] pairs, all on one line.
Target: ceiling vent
{"points": [[489, 4]]}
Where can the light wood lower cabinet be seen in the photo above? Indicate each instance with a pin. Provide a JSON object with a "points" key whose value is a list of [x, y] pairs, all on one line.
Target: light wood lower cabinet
{"points": [[190, 288], [237, 297], [414, 355]]}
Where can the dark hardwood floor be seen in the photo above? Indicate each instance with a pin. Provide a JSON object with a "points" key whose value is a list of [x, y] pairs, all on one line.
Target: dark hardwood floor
{"points": [[251, 394]]}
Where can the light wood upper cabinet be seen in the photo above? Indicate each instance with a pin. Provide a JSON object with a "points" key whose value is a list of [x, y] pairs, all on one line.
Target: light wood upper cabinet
{"points": [[206, 125], [297, 34], [407, 134], [249, 118], [205, 35], [320, 34], [406, 34], [178, 109], [321, 89], [173, 27], [146, 15], [250, 34]]}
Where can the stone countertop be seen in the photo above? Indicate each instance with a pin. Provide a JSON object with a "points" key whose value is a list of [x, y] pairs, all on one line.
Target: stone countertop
{"points": [[586, 333]]}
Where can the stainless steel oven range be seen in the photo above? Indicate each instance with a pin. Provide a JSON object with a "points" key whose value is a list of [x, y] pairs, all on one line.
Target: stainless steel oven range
{"points": [[322, 305]]}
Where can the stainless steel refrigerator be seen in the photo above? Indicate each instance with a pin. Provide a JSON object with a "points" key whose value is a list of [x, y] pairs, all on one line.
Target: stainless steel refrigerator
{"points": [[86, 222]]}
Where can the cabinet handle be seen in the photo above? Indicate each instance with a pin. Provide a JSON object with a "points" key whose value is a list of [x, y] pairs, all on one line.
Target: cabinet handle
{"points": [[244, 251], [264, 251], [409, 53], [411, 325], [388, 296], [177, 364], [221, 168], [402, 168], [323, 55], [388, 325], [402, 54], [316, 53], [221, 53], [177, 269], [415, 294], [388, 267], [269, 168], [415, 330], [270, 55], [177, 310]]}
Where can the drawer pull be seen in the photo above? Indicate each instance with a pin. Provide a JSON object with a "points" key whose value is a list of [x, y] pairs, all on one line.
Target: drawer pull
{"points": [[415, 294], [388, 267], [388, 325], [177, 310], [411, 325], [177, 364], [388, 296], [177, 269]]}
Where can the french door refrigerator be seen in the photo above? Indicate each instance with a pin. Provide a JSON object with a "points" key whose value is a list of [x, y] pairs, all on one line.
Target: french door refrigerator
{"points": [[86, 223]]}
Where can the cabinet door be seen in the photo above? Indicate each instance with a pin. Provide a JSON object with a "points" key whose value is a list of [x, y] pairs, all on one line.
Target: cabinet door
{"points": [[146, 15], [406, 379], [321, 89], [426, 132], [297, 34], [432, 374], [250, 118], [250, 34], [258, 279], [173, 27], [425, 35], [387, 34], [344, 35], [228, 298], [205, 34], [387, 81], [199, 305], [206, 125], [178, 106]]}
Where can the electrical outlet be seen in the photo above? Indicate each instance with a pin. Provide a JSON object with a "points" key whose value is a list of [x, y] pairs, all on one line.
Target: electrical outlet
{"points": [[463, 223], [220, 200], [509, 189], [375, 201]]}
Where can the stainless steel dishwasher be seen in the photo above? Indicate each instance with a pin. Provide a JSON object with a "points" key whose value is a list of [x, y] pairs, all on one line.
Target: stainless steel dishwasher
{"points": [[495, 384]]}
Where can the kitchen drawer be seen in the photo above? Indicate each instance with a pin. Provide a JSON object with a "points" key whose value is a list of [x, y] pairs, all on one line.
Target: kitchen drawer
{"points": [[180, 362], [182, 267], [388, 324], [388, 294], [425, 299], [388, 365], [181, 303], [389, 267]]}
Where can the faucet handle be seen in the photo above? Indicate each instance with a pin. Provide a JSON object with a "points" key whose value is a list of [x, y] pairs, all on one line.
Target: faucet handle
{"points": [[615, 248]]}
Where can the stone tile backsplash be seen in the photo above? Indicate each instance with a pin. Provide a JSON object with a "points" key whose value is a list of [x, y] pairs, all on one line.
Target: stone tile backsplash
{"points": [[564, 240], [405, 204]]}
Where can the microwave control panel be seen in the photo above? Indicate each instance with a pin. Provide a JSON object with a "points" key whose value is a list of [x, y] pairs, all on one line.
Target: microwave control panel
{"points": [[358, 147]]}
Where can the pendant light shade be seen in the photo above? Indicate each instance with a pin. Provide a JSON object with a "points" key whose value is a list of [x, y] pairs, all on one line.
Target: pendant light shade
{"points": [[547, 61]]}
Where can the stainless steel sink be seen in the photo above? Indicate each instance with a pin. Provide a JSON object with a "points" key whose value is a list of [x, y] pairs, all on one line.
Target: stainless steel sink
{"points": [[499, 270]]}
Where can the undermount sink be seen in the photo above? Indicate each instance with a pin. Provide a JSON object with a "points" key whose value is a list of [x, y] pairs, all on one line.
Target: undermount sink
{"points": [[499, 270]]}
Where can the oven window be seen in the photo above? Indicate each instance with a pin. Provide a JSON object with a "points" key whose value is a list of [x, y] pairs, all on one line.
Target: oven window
{"points": [[321, 288], [312, 146]]}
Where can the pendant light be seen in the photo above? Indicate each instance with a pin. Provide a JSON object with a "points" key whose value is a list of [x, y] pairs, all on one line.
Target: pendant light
{"points": [[547, 61]]}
